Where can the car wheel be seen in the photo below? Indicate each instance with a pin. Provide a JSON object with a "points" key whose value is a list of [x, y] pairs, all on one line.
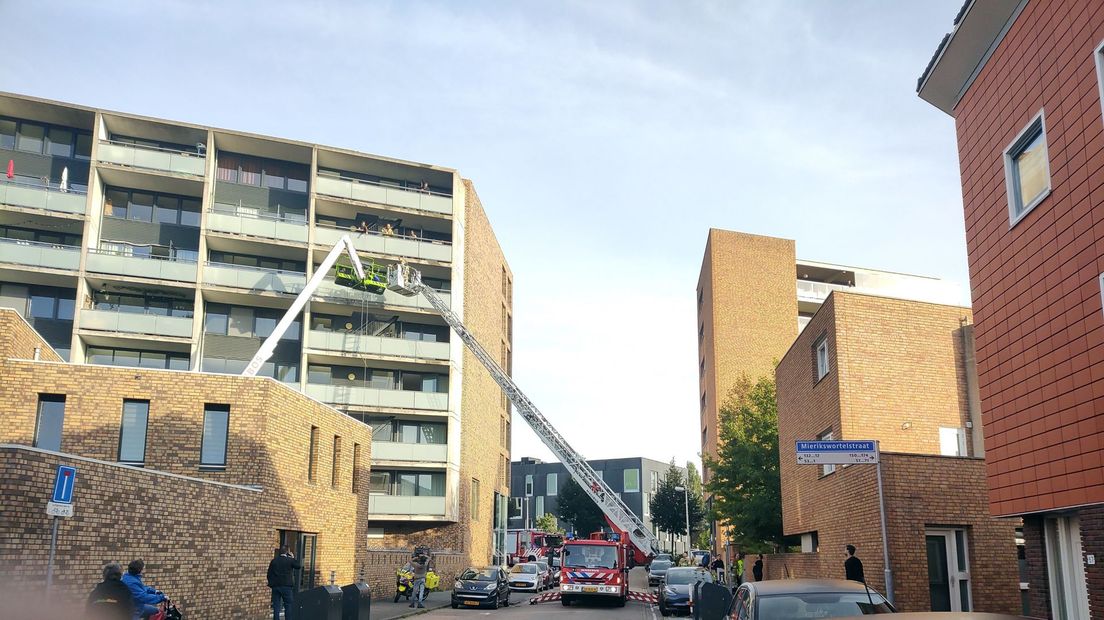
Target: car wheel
{"points": [[494, 603], [565, 601], [506, 603], [621, 601], [663, 611], [455, 605]]}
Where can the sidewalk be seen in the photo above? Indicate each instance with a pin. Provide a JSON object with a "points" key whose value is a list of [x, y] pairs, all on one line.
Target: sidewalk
{"points": [[386, 610]]}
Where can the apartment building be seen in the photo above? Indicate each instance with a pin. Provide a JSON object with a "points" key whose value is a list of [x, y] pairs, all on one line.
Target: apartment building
{"points": [[139, 242], [754, 296], [1023, 82], [901, 373], [535, 487]]}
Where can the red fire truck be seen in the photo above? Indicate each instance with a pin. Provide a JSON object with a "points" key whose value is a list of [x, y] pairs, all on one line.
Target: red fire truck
{"points": [[596, 569], [533, 545]]}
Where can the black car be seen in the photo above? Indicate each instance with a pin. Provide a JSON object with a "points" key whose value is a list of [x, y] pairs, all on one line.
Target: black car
{"points": [[478, 587], [813, 598], [678, 583], [657, 570]]}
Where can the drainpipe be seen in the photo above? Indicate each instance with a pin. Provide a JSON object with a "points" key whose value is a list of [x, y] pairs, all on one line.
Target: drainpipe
{"points": [[973, 396]]}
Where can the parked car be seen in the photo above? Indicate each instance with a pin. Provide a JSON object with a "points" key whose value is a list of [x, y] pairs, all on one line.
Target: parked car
{"points": [[678, 583], [950, 615], [526, 576], [550, 576], [657, 571], [664, 556], [478, 587], [811, 598]]}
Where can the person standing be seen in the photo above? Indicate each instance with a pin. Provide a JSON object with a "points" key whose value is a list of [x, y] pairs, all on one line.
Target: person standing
{"points": [[421, 567], [281, 578], [852, 566], [718, 570], [110, 599], [757, 568], [144, 597]]}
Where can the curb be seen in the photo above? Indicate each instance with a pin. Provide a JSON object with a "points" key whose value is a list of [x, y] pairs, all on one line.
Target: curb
{"points": [[417, 612]]}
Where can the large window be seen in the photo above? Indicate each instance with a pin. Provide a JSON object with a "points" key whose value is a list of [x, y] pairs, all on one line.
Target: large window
{"points": [[51, 418], [551, 484], [216, 427], [132, 434], [135, 358], [143, 206], [408, 483], [528, 485], [283, 371], [45, 139], [632, 481], [261, 172], [39, 236], [404, 431], [377, 378], [257, 262], [243, 321], [48, 302], [1027, 170], [142, 304]]}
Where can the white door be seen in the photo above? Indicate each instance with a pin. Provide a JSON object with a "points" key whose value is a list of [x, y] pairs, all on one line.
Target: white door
{"points": [[948, 569], [1069, 597]]}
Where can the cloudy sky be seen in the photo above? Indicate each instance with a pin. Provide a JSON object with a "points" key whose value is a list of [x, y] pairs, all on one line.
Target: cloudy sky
{"points": [[605, 138]]}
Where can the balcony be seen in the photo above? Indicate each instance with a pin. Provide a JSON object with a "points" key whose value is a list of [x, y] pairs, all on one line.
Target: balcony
{"points": [[412, 452], [341, 294], [123, 264], [377, 243], [151, 158], [35, 254], [817, 292], [133, 323], [40, 197], [407, 506], [373, 397], [238, 220], [377, 345], [254, 278], [366, 191]]}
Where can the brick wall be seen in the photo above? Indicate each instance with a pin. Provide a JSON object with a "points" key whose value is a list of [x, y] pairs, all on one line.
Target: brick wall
{"points": [[381, 564], [1092, 542], [19, 340], [789, 566]]}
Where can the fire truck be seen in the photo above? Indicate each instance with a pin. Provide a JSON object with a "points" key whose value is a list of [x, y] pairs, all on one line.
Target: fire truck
{"points": [[594, 569], [532, 545]]}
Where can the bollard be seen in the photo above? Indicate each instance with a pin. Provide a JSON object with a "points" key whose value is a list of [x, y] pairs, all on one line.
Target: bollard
{"points": [[356, 601], [321, 603]]}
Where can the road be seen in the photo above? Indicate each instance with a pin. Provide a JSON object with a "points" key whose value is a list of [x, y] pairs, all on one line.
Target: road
{"points": [[520, 607]]}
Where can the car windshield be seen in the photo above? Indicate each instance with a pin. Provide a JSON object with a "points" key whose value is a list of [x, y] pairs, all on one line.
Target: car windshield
{"points": [[542, 565], [684, 576], [591, 556], [524, 568], [479, 574], [663, 557], [661, 564], [821, 605], [553, 541]]}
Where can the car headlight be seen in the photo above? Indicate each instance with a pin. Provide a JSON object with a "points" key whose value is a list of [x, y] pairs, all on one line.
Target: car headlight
{"points": [[458, 586], [669, 592], [490, 586]]}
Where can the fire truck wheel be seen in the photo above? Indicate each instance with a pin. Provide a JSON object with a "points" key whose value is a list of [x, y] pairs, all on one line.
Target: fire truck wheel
{"points": [[621, 601], [566, 601]]}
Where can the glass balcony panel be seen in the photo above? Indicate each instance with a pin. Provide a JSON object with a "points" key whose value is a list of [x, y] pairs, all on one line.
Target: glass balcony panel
{"points": [[37, 197], [34, 254], [100, 261], [393, 196], [381, 244], [273, 281], [152, 159], [331, 291], [270, 228], [372, 397], [131, 323], [406, 506], [397, 451]]}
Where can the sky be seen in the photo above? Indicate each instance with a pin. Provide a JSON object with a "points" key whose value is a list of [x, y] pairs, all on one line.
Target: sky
{"points": [[604, 139]]}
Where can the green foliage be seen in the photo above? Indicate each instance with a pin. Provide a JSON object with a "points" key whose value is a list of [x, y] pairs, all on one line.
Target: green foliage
{"points": [[575, 506], [547, 522], [744, 477], [668, 505]]}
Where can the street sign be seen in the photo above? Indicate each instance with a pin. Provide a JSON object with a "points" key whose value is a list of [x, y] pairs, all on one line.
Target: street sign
{"points": [[836, 452], [55, 509], [63, 484]]}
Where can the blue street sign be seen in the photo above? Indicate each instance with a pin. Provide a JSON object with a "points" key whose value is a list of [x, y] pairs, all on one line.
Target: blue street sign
{"points": [[835, 446], [836, 452], [63, 484]]}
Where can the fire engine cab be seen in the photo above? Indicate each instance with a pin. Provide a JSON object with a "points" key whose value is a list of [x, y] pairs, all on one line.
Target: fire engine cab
{"points": [[594, 569], [533, 545]]}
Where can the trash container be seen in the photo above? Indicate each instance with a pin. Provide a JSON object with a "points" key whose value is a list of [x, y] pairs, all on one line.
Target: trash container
{"points": [[356, 602], [321, 603]]}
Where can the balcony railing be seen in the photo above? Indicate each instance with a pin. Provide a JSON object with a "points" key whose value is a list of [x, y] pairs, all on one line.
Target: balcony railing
{"points": [[379, 243], [373, 397], [152, 158], [367, 191], [35, 254], [254, 278], [818, 291], [377, 345], [31, 196], [341, 294], [414, 452], [238, 220], [124, 264], [402, 505], [134, 323]]}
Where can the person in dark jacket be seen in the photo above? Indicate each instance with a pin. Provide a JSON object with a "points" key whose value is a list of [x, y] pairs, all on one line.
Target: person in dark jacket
{"points": [[281, 578], [757, 569], [145, 598], [852, 566], [110, 599]]}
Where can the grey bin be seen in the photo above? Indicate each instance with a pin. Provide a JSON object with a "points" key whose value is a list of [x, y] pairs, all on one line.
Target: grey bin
{"points": [[321, 603], [356, 602]]}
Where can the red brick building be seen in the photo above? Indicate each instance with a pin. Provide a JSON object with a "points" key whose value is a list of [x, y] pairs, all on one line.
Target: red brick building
{"points": [[1023, 81]]}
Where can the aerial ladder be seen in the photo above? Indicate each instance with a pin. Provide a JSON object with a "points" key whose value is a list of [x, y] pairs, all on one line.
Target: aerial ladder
{"points": [[407, 281]]}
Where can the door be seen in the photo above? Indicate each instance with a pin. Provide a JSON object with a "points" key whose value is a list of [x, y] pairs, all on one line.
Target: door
{"points": [[304, 546], [948, 570], [1069, 598]]}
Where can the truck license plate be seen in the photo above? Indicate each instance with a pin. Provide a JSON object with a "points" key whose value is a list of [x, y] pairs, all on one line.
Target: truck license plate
{"points": [[472, 603], [590, 588]]}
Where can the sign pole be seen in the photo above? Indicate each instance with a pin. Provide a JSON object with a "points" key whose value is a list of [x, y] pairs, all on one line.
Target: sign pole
{"points": [[885, 537], [50, 564]]}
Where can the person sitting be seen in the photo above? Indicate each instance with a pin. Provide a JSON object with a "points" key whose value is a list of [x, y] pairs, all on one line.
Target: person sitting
{"points": [[110, 599], [144, 596]]}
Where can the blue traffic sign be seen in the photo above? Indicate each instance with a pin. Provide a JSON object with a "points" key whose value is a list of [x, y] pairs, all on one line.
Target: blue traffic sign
{"points": [[64, 483], [835, 446]]}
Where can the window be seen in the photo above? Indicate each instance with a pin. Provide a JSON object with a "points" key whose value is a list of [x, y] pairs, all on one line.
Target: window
{"points": [[133, 358], [408, 483], [632, 481], [48, 426], [379, 482], [335, 470], [475, 500], [952, 441], [7, 134], [539, 510], [528, 485], [654, 480], [245, 322], [216, 428], [132, 435], [257, 171], [356, 466], [1027, 170], [826, 436], [1065, 557], [551, 484], [149, 207], [821, 352], [312, 456], [30, 137]]}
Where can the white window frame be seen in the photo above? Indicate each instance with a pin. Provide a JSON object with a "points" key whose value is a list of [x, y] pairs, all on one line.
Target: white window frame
{"points": [[1069, 596], [551, 483], [960, 440], [625, 479], [820, 347], [1098, 57], [1014, 148], [538, 508], [828, 435], [528, 485]]}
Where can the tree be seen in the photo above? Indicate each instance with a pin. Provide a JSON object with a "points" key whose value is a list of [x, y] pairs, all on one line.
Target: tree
{"points": [[575, 506], [668, 505], [547, 523], [698, 528], [745, 483]]}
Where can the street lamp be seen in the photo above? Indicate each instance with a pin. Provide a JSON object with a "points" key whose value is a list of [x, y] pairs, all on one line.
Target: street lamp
{"points": [[686, 497]]}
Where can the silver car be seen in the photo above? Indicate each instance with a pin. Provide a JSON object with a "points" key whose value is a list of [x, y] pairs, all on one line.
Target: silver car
{"points": [[812, 598], [526, 576], [657, 570]]}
